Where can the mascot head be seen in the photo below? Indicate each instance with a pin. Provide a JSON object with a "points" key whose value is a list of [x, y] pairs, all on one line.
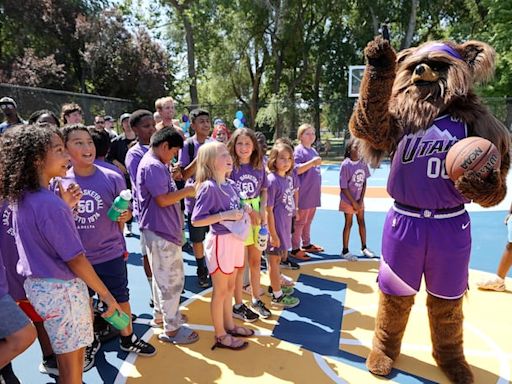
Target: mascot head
{"points": [[432, 78]]}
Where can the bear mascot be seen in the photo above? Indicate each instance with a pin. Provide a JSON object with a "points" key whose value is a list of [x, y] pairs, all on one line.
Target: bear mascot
{"points": [[413, 106]]}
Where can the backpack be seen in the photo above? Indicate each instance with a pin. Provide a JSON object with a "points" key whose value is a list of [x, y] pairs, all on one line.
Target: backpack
{"points": [[190, 148]]}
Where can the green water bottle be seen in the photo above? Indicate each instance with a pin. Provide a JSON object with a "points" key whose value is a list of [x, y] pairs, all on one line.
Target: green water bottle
{"points": [[121, 204], [118, 320]]}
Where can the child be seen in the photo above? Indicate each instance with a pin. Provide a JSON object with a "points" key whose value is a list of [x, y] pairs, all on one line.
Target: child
{"points": [[161, 223], [218, 205], [251, 179], [497, 282], [51, 254], [142, 123], [308, 167], [101, 237], [353, 175], [280, 210]]}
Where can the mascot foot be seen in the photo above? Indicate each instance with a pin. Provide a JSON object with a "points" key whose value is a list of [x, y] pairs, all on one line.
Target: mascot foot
{"points": [[378, 363], [458, 372]]}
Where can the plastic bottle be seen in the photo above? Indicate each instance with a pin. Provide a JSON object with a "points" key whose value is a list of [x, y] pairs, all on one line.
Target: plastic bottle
{"points": [[120, 205], [262, 240], [118, 320]]}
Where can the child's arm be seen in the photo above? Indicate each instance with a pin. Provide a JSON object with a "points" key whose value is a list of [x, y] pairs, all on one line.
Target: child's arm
{"points": [[189, 171], [296, 200], [263, 206], [363, 192], [123, 218], [173, 197], [274, 238], [233, 214], [304, 167], [349, 196], [84, 270]]}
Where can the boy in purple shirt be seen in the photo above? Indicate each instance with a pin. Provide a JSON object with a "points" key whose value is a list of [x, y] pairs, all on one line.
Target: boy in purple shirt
{"points": [[161, 224], [200, 120], [143, 124], [101, 237]]}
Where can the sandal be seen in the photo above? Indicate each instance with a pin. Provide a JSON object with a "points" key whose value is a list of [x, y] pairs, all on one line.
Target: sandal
{"points": [[240, 332], [229, 342], [183, 336], [300, 255], [313, 248]]}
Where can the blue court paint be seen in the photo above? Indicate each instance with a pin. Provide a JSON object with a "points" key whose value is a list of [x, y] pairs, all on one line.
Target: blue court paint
{"points": [[315, 324]]}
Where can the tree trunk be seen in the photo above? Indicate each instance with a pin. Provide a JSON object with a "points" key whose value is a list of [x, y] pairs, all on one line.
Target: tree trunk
{"points": [[316, 98], [411, 27], [191, 60]]}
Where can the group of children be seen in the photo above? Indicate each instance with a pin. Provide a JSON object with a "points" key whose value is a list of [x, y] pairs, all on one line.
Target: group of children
{"points": [[60, 248]]}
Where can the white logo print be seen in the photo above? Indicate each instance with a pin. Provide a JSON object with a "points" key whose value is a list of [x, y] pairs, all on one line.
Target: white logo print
{"points": [[464, 226]]}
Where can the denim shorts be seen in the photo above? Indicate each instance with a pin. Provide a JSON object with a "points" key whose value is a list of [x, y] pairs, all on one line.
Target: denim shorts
{"points": [[12, 318]]}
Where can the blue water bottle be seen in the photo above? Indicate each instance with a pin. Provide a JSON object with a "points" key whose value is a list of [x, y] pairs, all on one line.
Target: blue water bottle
{"points": [[262, 240]]}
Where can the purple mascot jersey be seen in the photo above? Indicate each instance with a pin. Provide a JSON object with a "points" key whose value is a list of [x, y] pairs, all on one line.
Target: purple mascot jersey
{"points": [[427, 231]]}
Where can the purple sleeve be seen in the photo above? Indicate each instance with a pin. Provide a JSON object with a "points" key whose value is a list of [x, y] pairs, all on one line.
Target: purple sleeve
{"points": [[344, 176], [271, 193], [367, 171], [298, 156], [296, 180], [204, 202], [184, 158], [61, 233], [264, 181], [156, 180], [119, 182]]}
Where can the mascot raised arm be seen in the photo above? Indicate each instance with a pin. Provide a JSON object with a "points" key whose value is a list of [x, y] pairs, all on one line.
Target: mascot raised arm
{"points": [[413, 106]]}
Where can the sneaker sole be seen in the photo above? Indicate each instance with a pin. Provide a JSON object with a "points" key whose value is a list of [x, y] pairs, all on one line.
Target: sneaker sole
{"points": [[240, 317], [496, 289], [48, 371], [281, 305], [261, 315]]}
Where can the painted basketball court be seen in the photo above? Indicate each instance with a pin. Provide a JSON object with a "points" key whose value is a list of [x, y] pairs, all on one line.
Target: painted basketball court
{"points": [[327, 337]]}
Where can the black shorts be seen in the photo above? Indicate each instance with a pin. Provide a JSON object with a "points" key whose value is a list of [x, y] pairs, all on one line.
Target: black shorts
{"points": [[114, 275], [196, 234]]}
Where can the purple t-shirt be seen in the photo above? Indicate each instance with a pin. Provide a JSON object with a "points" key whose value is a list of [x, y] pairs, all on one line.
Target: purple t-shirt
{"points": [[353, 175], [418, 176], [132, 160], [311, 180], [106, 164], [10, 252], [46, 236], [154, 179], [280, 197], [101, 237], [183, 161], [213, 198], [249, 180], [4, 288]]}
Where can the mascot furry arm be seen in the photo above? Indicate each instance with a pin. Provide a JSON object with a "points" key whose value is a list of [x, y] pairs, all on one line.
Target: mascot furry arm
{"points": [[395, 100]]}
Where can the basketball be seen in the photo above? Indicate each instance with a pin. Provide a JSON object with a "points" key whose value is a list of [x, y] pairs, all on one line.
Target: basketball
{"points": [[472, 153]]}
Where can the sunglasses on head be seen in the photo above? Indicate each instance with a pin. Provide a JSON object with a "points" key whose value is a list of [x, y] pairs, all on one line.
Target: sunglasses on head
{"points": [[6, 106], [99, 122]]}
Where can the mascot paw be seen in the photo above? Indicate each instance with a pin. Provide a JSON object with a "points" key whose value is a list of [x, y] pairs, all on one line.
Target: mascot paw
{"points": [[379, 53], [458, 372], [485, 192], [378, 363]]}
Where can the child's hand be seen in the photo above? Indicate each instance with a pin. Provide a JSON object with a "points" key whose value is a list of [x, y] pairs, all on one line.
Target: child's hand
{"points": [[274, 241], [125, 216], [255, 217], [71, 195], [247, 208], [234, 214], [191, 191], [356, 206], [112, 305], [176, 172], [318, 160]]}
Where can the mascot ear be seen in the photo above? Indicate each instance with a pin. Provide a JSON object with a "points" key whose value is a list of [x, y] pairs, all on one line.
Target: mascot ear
{"points": [[480, 58], [404, 54]]}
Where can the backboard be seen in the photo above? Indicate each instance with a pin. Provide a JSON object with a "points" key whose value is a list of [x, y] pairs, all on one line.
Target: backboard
{"points": [[355, 75]]}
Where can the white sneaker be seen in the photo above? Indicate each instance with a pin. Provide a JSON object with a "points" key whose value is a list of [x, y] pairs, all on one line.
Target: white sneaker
{"points": [[368, 253], [348, 256], [494, 283]]}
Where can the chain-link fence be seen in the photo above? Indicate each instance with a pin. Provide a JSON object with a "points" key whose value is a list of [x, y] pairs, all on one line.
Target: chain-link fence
{"points": [[30, 99]]}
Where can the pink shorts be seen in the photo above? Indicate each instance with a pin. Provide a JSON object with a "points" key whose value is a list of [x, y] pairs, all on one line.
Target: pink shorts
{"points": [[347, 207], [224, 253]]}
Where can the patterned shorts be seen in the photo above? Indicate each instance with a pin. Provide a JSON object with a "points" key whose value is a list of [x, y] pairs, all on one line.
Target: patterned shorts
{"points": [[64, 307]]}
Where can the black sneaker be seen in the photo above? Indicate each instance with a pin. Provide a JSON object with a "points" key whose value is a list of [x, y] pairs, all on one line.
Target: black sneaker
{"points": [[245, 314], [288, 264], [202, 278], [260, 308], [90, 353], [7, 375], [138, 346], [151, 303], [49, 366]]}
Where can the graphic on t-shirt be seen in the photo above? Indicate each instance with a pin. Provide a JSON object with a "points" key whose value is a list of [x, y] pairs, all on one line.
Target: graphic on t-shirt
{"points": [[434, 141], [88, 209], [247, 184], [287, 199], [7, 221], [358, 178]]}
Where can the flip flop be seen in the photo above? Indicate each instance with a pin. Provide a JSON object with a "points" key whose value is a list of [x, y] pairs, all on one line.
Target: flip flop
{"points": [[240, 332], [300, 255], [313, 248], [183, 336], [234, 343]]}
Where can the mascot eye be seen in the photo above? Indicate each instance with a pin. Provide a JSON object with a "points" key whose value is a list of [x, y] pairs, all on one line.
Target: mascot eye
{"points": [[437, 66]]}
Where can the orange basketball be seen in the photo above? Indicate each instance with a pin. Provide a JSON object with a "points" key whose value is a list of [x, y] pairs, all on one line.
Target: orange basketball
{"points": [[472, 153]]}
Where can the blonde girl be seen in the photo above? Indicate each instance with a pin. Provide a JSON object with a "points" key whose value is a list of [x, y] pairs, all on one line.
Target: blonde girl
{"points": [[251, 179], [218, 205]]}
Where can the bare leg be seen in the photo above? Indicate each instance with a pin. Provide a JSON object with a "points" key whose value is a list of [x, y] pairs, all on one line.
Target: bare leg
{"points": [[505, 262], [346, 230], [219, 296], [16, 343], [254, 266], [362, 227], [274, 272], [71, 365]]}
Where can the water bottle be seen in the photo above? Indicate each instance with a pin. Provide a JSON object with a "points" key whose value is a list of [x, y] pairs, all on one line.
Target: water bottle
{"points": [[118, 320], [121, 204], [262, 240]]}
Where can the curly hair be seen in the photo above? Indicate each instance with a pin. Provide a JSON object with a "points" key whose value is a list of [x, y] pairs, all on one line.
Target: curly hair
{"points": [[22, 150]]}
